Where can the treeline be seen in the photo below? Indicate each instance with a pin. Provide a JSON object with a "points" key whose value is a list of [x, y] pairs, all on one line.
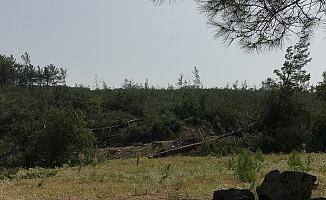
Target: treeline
{"points": [[45, 123], [26, 75]]}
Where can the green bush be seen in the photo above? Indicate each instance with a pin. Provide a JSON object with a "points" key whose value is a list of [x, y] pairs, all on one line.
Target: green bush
{"points": [[8, 173], [231, 163], [245, 167], [61, 140], [166, 172], [294, 162], [259, 155], [38, 172]]}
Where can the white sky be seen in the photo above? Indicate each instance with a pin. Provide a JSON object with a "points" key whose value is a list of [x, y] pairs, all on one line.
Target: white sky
{"points": [[118, 39]]}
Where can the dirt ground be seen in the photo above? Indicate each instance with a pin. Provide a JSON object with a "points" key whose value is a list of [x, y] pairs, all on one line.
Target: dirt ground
{"points": [[186, 137], [146, 150]]}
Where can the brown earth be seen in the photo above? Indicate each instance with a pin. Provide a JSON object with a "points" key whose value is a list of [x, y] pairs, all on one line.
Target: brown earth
{"points": [[148, 149], [188, 135]]}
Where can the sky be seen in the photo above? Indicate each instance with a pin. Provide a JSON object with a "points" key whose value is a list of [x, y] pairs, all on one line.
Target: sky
{"points": [[118, 39]]}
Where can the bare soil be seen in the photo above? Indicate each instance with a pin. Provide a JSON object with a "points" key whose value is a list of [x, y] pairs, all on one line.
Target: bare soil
{"points": [[147, 150], [187, 136]]}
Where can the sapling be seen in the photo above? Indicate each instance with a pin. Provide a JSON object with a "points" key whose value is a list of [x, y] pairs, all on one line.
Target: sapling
{"points": [[138, 157], [81, 158]]}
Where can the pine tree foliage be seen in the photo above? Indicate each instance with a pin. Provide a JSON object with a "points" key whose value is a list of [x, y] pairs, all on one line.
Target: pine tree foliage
{"points": [[261, 25]]}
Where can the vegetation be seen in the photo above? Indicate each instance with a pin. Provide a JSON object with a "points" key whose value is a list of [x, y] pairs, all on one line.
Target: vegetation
{"points": [[246, 167], [166, 178], [51, 135], [261, 25], [47, 124]]}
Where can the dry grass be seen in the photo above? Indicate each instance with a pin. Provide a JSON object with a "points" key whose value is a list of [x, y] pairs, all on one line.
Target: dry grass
{"points": [[166, 178]]}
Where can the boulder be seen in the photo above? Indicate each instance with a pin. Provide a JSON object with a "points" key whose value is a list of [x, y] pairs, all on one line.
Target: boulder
{"points": [[233, 194], [288, 185]]}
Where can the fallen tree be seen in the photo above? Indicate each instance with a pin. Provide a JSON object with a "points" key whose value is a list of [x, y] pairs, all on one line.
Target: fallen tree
{"points": [[123, 125], [190, 147]]}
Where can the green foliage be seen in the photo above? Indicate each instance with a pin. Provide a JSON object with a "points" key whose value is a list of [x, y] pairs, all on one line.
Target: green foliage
{"points": [[246, 167], [231, 163], [38, 173], [308, 162], [166, 172], [7, 70], [235, 21], [295, 163], [259, 155], [287, 117], [165, 126], [207, 148], [8, 173], [321, 89], [134, 134], [319, 127], [293, 76], [45, 123], [63, 138], [196, 79], [224, 146]]}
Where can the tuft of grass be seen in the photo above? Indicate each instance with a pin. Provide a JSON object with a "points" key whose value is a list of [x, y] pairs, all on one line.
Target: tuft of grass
{"points": [[39, 184], [37, 173], [231, 163]]}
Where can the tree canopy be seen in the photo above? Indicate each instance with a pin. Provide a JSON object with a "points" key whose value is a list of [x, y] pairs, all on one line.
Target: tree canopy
{"points": [[261, 25], [46, 123]]}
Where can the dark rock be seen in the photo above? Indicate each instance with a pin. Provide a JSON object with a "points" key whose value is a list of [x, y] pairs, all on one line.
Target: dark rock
{"points": [[320, 198], [233, 194], [288, 185]]}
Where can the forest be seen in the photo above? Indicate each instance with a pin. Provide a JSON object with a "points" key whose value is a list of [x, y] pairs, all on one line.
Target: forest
{"points": [[46, 123]]}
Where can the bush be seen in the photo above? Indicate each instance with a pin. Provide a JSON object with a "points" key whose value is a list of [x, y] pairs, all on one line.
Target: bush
{"points": [[295, 163], [38, 173], [8, 173], [245, 167], [223, 147], [135, 133], [259, 155], [165, 126], [62, 139]]}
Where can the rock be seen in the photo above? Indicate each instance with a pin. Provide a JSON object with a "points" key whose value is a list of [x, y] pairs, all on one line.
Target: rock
{"points": [[288, 185], [233, 194], [320, 198]]}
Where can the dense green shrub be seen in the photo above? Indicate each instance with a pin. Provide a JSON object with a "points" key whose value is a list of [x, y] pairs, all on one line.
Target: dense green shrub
{"points": [[246, 167], [259, 155], [295, 163], [8, 173], [60, 140]]}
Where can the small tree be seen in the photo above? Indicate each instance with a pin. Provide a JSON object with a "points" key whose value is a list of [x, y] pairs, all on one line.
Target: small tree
{"points": [[246, 167], [292, 76], [7, 69], [196, 79], [287, 117]]}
